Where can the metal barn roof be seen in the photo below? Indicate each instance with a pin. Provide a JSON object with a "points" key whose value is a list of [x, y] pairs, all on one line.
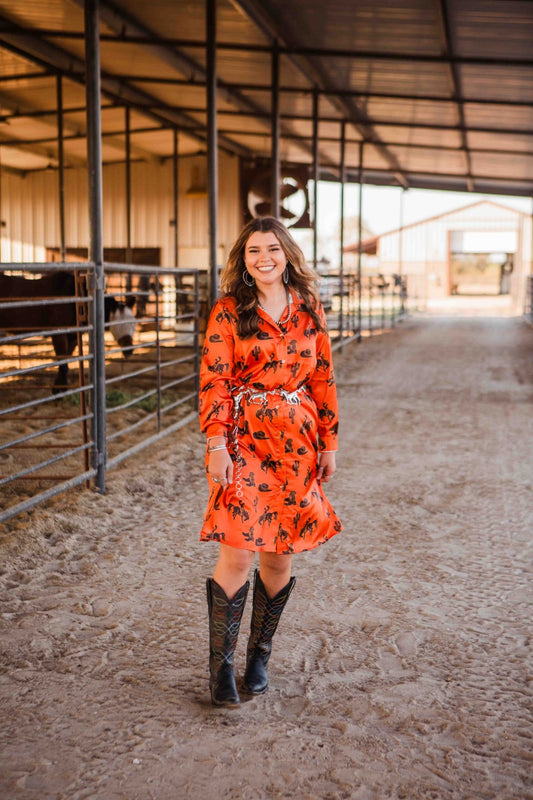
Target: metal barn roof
{"points": [[432, 93]]}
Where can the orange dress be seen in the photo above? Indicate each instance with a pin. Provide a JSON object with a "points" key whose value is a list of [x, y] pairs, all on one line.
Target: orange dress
{"points": [[273, 395]]}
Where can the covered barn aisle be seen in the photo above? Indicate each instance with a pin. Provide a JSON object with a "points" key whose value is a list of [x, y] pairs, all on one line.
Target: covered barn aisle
{"points": [[400, 668]]}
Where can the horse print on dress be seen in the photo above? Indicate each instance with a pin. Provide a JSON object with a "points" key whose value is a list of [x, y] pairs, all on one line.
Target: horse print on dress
{"points": [[289, 375]]}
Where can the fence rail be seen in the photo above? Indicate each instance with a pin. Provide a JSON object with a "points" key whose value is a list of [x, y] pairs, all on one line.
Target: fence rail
{"points": [[528, 309], [47, 416], [49, 408], [354, 310]]}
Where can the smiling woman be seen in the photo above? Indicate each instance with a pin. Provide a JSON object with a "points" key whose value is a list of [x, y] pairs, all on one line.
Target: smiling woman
{"points": [[268, 405]]}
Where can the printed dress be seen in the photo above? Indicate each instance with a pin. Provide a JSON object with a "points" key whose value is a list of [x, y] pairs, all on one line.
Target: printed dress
{"points": [[273, 395]]}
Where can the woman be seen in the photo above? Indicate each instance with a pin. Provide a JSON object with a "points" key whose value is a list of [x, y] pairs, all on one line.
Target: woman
{"points": [[268, 406]]}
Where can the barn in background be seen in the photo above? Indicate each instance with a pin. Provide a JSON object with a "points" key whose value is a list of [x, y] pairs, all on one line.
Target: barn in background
{"points": [[480, 249]]}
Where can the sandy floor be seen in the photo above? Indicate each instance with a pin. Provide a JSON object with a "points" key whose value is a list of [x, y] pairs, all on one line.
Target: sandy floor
{"points": [[401, 668]]}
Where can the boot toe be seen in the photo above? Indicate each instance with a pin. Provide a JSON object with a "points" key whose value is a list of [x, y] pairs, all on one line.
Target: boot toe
{"points": [[255, 679]]}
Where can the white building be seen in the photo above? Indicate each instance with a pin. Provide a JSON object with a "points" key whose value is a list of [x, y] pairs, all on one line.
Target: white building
{"points": [[483, 248]]}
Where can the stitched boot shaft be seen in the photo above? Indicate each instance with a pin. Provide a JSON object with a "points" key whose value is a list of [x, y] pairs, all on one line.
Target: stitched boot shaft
{"points": [[224, 623], [265, 618]]}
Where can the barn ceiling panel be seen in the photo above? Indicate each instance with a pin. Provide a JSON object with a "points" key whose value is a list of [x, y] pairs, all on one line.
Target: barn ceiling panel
{"points": [[441, 92], [413, 159], [522, 142], [25, 129], [503, 165], [185, 19], [492, 28], [23, 160], [501, 82], [513, 118], [389, 24], [409, 135], [398, 76], [412, 112]]}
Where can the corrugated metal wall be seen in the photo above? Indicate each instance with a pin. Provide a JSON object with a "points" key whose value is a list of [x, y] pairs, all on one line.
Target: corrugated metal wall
{"points": [[31, 216]]}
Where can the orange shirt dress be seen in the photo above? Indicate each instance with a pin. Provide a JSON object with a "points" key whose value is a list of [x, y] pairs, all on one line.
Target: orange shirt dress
{"points": [[274, 397]]}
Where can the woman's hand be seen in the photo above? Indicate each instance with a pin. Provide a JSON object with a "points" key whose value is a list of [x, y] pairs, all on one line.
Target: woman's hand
{"points": [[326, 466], [220, 467]]}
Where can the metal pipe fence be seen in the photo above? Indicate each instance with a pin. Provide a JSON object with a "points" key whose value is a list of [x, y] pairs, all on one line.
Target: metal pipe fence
{"points": [[528, 308], [46, 414], [151, 380], [353, 311]]}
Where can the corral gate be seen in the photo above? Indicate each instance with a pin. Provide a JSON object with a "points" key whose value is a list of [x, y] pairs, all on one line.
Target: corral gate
{"points": [[50, 425]]}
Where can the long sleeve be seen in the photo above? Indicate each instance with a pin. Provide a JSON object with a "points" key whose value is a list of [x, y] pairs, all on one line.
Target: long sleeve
{"points": [[324, 391], [216, 370]]}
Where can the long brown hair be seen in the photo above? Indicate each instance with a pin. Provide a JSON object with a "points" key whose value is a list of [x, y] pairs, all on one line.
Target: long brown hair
{"points": [[301, 278]]}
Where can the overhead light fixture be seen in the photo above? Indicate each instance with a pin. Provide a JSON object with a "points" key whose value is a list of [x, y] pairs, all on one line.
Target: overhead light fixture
{"points": [[198, 187]]}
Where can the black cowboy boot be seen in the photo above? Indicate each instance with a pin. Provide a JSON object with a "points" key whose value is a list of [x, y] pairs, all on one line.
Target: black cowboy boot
{"points": [[224, 623], [265, 618]]}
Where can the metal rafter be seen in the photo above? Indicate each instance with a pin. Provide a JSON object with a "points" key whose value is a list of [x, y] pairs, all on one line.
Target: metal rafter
{"points": [[25, 109], [258, 87], [457, 89], [314, 73], [42, 52], [126, 26], [286, 50], [333, 139]]}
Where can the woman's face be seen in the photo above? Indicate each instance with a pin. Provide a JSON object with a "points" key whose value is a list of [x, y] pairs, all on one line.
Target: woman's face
{"points": [[264, 259]]}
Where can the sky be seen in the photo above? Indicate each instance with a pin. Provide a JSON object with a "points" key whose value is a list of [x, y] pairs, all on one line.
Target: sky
{"points": [[381, 205], [382, 211]]}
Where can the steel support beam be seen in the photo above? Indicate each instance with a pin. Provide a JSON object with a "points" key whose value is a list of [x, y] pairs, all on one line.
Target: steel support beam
{"points": [[175, 187], [360, 246], [212, 145], [275, 159], [28, 45], [121, 22], [96, 242], [341, 236], [128, 28], [61, 167], [316, 167], [314, 72], [457, 90], [127, 165]]}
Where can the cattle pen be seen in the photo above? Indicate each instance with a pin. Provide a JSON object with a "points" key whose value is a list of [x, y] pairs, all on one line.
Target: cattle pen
{"points": [[136, 395], [55, 436]]}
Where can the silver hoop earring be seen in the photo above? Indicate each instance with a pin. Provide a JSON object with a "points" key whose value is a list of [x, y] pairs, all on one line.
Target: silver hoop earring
{"points": [[247, 278], [286, 275]]}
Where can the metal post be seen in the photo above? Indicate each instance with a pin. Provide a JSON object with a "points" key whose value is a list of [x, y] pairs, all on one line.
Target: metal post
{"points": [[158, 349], [1, 205], [175, 196], [212, 153], [129, 284], [360, 244], [61, 168], [315, 178], [96, 245], [400, 260], [180, 300], [341, 248], [275, 134]]}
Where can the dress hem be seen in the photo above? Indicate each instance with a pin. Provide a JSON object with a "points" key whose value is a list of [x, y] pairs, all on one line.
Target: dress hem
{"points": [[206, 537]]}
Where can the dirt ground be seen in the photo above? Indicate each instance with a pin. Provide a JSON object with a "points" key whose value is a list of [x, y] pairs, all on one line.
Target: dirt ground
{"points": [[402, 665]]}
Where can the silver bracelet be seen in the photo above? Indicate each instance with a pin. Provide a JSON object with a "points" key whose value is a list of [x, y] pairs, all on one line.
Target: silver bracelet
{"points": [[217, 447]]}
